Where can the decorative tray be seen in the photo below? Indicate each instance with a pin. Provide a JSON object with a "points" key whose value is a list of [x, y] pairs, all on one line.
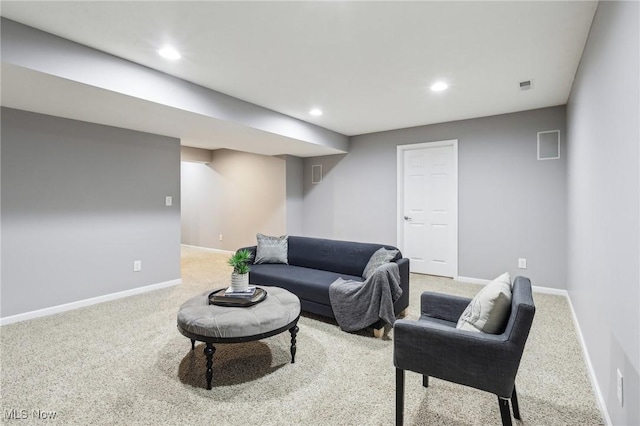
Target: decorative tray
{"points": [[220, 299]]}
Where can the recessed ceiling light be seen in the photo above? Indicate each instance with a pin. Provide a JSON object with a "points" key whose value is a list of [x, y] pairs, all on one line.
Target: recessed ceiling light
{"points": [[315, 112], [439, 86], [169, 52]]}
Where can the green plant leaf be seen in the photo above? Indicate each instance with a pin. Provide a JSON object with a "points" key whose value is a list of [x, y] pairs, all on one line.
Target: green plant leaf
{"points": [[240, 261]]}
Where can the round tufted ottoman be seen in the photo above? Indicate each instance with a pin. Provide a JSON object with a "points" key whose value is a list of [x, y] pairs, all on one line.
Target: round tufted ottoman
{"points": [[200, 321]]}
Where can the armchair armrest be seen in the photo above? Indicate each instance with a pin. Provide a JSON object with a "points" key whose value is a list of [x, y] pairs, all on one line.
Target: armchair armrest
{"points": [[443, 306], [484, 361]]}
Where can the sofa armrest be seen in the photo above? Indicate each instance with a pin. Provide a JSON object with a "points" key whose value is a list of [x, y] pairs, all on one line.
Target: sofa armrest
{"points": [[403, 302], [252, 250], [403, 269], [443, 306]]}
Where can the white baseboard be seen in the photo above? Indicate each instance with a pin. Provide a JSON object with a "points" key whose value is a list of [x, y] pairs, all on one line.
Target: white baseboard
{"points": [[592, 373], [86, 302], [535, 289], [473, 280], [209, 249], [549, 290]]}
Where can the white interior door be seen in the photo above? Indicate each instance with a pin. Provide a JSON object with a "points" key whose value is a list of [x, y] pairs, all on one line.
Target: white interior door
{"points": [[427, 205]]}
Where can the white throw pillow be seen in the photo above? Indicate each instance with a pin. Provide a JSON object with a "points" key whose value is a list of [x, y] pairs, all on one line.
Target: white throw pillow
{"points": [[490, 308]]}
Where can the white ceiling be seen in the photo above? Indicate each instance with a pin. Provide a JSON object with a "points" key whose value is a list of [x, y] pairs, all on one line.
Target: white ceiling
{"points": [[367, 65]]}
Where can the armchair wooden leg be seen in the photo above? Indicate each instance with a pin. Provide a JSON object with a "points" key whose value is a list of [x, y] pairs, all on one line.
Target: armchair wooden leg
{"points": [[514, 403], [399, 396], [378, 332], [505, 412], [425, 381]]}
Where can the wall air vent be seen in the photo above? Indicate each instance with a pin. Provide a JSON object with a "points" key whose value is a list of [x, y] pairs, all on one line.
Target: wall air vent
{"points": [[549, 145], [525, 85], [316, 173]]}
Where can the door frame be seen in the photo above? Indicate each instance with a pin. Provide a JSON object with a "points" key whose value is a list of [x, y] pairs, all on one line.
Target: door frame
{"points": [[400, 193]]}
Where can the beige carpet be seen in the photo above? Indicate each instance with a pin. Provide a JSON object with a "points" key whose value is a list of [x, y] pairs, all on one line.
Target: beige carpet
{"points": [[124, 362]]}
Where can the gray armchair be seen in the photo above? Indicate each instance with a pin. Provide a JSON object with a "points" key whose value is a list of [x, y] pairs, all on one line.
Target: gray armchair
{"points": [[432, 346]]}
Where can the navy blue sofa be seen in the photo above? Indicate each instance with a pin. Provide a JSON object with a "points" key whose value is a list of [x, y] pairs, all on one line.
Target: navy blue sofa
{"points": [[314, 263]]}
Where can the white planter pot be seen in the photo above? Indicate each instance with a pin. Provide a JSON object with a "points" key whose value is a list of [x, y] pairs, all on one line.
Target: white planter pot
{"points": [[239, 282]]}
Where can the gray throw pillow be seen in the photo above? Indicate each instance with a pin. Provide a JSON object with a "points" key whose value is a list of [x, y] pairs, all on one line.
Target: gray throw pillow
{"points": [[381, 256], [272, 249]]}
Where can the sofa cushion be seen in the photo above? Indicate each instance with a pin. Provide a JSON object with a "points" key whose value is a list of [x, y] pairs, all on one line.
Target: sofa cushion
{"points": [[315, 283], [271, 249], [489, 310], [380, 257], [342, 257]]}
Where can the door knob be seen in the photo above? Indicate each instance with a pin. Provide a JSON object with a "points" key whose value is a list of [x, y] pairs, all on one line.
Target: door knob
{"points": [[407, 218]]}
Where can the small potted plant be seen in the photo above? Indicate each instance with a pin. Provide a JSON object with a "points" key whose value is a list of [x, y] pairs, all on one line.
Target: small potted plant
{"points": [[240, 275]]}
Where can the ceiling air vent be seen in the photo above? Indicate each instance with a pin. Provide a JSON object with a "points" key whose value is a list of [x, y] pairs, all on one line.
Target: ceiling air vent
{"points": [[525, 85]]}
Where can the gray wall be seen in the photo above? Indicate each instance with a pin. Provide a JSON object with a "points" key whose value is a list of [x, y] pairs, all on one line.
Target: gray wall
{"points": [[237, 195], [80, 203], [295, 194], [604, 200], [201, 190], [510, 204]]}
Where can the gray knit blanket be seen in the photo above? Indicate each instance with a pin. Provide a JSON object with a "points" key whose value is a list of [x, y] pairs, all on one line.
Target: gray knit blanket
{"points": [[358, 304]]}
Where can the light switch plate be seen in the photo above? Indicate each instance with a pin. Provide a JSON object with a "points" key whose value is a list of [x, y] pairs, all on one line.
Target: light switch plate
{"points": [[168, 201]]}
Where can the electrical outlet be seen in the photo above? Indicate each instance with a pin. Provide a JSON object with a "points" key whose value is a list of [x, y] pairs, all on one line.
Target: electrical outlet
{"points": [[220, 237], [137, 265], [619, 388], [522, 263]]}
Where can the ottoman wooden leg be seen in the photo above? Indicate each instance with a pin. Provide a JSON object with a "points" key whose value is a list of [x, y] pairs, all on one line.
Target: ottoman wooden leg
{"points": [[193, 344], [294, 331], [209, 350]]}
